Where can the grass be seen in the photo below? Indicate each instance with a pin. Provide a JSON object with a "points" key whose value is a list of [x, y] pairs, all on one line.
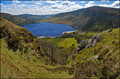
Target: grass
{"points": [[106, 56], [63, 42], [16, 65], [106, 40]]}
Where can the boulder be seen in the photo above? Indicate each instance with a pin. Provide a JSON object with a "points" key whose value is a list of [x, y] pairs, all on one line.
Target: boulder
{"points": [[86, 43], [84, 57], [110, 30], [95, 57], [29, 55], [106, 46], [39, 47]]}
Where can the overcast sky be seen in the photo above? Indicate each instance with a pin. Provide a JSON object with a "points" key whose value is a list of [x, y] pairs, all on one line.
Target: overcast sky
{"points": [[50, 7]]}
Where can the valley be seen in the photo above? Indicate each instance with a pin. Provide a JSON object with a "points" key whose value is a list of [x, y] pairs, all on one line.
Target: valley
{"points": [[90, 52]]}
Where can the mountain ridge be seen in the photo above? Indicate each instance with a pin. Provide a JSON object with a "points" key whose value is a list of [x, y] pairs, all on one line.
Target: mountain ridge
{"points": [[88, 19], [23, 19]]}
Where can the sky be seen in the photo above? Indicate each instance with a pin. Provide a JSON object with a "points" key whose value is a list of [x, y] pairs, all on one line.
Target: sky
{"points": [[50, 7]]}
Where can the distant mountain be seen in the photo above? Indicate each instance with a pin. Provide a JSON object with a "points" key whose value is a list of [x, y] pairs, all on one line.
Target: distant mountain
{"points": [[88, 19], [16, 20], [33, 17], [23, 19]]}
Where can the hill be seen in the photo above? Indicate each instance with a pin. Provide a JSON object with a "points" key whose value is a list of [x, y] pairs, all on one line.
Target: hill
{"points": [[33, 17], [88, 19], [23, 19], [97, 60], [16, 20], [23, 55]]}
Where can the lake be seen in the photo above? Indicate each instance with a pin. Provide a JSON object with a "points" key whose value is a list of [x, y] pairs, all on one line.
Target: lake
{"points": [[48, 29]]}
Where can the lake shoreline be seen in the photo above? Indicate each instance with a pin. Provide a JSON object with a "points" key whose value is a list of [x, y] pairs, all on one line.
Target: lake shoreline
{"points": [[47, 37], [57, 36]]}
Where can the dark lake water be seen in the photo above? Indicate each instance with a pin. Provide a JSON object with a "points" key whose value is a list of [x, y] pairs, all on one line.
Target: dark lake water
{"points": [[48, 29]]}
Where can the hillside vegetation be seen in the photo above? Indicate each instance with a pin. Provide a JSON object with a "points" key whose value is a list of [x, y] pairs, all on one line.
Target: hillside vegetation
{"points": [[33, 17], [63, 42], [23, 19], [17, 65], [100, 61], [22, 55], [16, 20], [88, 19]]}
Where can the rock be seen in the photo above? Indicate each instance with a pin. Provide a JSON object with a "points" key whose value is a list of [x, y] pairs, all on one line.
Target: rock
{"points": [[110, 30], [95, 57], [73, 45], [107, 46], [93, 40], [86, 43], [93, 43], [73, 56], [29, 55], [26, 49], [39, 47], [76, 50], [82, 44], [108, 34], [84, 57]]}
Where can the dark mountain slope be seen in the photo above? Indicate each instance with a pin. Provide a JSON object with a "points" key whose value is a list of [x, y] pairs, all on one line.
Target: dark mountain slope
{"points": [[33, 17], [16, 20], [88, 19]]}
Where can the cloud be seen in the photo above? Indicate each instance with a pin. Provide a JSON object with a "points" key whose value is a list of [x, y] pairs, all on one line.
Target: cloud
{"points": [[16, 1], [39, 3], [105, 0], [67, 3], [116, 4], [1, 4], [51, 2], [43, 8], [82, 2], [90, 3]]}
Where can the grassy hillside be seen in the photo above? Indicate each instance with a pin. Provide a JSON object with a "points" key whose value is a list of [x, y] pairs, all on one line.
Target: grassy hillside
{"points": [[88, 19], [63, 42], [106, 65], [16, 20], [23, 57], [17, 65], [23, 19], [33, 17]]}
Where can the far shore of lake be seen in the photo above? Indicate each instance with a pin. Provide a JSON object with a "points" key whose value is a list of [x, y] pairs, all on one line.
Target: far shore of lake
{"points": [[57, 36]]}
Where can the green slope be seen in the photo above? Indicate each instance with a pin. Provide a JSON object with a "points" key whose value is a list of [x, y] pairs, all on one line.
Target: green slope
{"points": [[17, 65], [17, 42], [22, 57], [63, 42], [107, 63], [17, 20], [88, 19]]}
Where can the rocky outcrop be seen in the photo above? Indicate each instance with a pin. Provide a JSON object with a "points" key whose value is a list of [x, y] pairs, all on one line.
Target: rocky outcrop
{"points": [[95, 57], [87, 43]]}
